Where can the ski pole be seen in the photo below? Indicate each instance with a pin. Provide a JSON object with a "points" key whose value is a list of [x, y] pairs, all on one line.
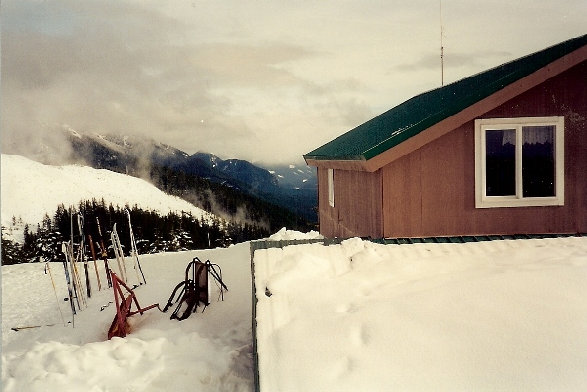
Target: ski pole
{"points": [[47, 268]]}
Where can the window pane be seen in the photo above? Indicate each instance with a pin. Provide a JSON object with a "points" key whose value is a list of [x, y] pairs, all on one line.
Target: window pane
{"points": [[331, 187], [538, 161], [500, 153]]}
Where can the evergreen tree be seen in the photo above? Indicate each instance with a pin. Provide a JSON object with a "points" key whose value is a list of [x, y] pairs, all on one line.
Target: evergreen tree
{"points": [[11, 251], [47, 245]]}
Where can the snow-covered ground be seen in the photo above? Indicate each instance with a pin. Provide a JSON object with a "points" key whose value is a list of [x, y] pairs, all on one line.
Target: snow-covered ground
{"points": [[209, 351], [500, 315], [29, 190], [488, 316]]}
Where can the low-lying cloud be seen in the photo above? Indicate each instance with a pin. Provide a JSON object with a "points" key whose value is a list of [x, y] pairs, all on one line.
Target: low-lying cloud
{"points": [[263, 82]]}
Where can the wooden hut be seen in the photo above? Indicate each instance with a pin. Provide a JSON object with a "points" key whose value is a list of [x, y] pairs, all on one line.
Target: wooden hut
{"points": [[500, 152]]}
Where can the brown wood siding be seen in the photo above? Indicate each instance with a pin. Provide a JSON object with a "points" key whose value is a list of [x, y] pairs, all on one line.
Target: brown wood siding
{"points": [[357, 204], [402, 192], [431, 191]]}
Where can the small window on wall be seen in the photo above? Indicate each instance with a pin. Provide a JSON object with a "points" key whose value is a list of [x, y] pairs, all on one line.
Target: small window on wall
{"points": [[519, 162], [331, 187]]}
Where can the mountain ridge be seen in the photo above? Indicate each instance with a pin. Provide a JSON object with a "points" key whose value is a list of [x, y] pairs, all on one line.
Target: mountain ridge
{"points": [[234, 189], [137, 157]]}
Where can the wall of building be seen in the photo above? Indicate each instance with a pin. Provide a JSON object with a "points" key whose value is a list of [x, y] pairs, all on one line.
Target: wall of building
{"points": [[357, 204], [431, 191]]}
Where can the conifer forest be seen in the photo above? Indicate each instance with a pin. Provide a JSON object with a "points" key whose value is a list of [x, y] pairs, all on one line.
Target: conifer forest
{"points": [[153, 233]]}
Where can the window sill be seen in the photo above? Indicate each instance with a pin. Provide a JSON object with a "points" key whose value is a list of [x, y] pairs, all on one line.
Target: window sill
{"points": [[499, 202]]}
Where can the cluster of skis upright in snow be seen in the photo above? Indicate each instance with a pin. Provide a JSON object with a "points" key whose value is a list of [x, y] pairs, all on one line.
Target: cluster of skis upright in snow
{"points": [[77, 292]]}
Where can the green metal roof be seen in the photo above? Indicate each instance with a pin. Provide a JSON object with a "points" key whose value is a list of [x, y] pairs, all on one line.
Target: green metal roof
{"points": [[423, 111]]}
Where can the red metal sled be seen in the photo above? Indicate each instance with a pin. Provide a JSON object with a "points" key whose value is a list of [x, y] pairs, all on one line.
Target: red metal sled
{"points": [[120, 325]]}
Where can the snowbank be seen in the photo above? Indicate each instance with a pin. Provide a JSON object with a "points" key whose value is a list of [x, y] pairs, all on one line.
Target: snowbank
{"points": [[286, 235], [502, 315], [29, 190]]}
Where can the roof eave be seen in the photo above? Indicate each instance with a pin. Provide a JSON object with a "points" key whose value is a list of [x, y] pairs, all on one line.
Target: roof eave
{"points": [[356, 164]]}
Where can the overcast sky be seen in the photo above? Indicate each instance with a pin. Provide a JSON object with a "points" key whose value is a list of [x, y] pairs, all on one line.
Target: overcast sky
{"points": [[266, 81]]}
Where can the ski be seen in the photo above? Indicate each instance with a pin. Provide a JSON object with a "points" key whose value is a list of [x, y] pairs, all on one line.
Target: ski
{"points": [[82, 252], [134, 251], [104, 254], [79, 288], [72, 264], [68, 279], [30, 327], [117, 246]]}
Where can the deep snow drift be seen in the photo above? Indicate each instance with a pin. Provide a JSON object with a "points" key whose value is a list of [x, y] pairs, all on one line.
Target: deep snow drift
{"points": [[209, 351], [495, 316], [501, 315]]}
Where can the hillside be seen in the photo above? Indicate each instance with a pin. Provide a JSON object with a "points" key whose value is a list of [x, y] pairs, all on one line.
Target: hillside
{"points": [[29, 190], [44, 206]]}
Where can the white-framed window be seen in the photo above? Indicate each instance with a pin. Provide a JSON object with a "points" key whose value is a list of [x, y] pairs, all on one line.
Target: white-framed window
{"points": [[331, 187], [519, 162]]}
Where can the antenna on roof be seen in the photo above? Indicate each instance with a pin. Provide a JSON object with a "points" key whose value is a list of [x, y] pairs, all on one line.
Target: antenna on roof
{"points": [[441, 49]]}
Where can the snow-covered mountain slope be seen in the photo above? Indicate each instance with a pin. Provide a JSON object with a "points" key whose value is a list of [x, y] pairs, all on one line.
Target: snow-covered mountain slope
{"points": [[30, 189], [295, 176]]}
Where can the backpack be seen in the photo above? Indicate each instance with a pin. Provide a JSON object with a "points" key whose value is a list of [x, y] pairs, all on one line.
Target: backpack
{"points": [[194, 290]]}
